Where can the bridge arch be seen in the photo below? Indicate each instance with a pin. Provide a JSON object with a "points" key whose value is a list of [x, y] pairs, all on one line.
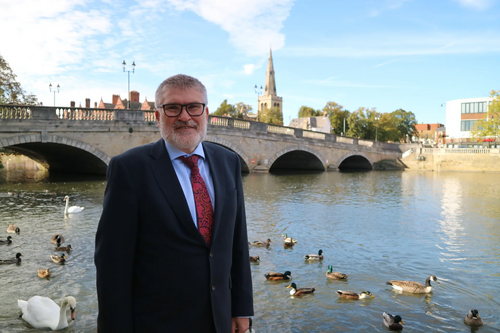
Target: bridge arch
{"points": [[58, 153], [231, 146], [302, 159], [355, 160]]}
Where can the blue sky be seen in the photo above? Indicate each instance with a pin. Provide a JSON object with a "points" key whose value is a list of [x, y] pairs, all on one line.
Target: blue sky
{"points": [[386, 54]]}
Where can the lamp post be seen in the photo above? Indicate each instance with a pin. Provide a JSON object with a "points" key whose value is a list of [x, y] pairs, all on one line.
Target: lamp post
{"points": [[124, 64], [50, 89], [259, 93], [376, 127]]}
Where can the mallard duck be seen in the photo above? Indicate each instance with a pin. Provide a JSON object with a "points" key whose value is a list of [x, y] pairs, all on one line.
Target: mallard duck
{"points": [[300, 291], [261, 243], [318, 256], [6, 241], [254, 259], [42, 312], [278, 276], [43, 273], [288, 241], [472, 318], [16, 260], [353, 295], [64, 248], [335, 275], [58, 259], [72, 209], [57, 239], [393, 322], [12, 229], [412, 286]]}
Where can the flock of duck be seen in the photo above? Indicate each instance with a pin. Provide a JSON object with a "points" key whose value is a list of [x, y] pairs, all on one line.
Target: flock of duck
{"points": [[39, 311], [393, 322]]}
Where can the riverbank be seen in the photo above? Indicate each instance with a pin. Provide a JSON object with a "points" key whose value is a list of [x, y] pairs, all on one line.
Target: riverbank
{"points": [[453, 159], [13, 161]]}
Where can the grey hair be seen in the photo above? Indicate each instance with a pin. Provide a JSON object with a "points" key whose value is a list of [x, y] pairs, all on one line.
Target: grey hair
{"points": [[180, 81]]}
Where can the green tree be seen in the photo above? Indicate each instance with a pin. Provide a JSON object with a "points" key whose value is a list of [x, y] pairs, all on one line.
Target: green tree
{"points": [[490, 125], [225, 110], [271, 116], [10, 90], [363, 124], [240, 107], [306, 111], [337, 115], [404, 123]]}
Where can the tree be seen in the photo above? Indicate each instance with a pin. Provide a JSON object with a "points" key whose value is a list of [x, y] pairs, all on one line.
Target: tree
{"points": [[10, 90], [362, 123], [306, 111], [402, 125], [337, 115], [241, 108], [271, 116], [225, 110], [490, 125]]}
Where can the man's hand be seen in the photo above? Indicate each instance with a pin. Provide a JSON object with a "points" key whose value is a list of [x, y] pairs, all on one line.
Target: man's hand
{"points": [[240, 325]]}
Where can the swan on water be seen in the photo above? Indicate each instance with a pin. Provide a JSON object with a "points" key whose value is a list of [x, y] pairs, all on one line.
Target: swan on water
{"points": [[72, 209], [42, 312]]}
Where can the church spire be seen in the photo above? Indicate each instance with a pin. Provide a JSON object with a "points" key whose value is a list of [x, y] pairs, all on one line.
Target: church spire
{"points": [[270, 82]]}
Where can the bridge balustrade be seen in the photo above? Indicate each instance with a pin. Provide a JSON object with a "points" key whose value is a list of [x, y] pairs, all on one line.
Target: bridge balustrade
{"points": [[14, 112]]}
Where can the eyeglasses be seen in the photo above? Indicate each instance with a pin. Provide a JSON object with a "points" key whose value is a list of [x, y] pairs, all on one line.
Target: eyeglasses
{"points": [[174, 110]]}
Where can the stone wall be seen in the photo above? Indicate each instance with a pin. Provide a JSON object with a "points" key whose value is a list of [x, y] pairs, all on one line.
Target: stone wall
{"points": [[18, 162], [454, 162]]}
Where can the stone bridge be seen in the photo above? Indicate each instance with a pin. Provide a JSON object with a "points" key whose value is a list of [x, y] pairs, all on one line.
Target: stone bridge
{"points": [[80, 140]]}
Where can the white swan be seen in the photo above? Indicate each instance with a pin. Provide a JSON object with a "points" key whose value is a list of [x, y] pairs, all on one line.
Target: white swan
{"points": [[72, 209], [42, 312]]}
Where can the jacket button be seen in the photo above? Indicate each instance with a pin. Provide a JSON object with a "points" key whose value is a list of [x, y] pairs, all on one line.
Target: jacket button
{"points": [[213, 287], [211, 254]]}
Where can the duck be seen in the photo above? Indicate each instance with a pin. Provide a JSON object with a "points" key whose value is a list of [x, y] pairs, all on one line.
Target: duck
{"points": [[278, 276], [472, 318], [6, 241], [72, 209], [353, 295], [261, 243], [16, 260], [393, 322], [57, 239], [44, 273], [13, 229], [335, 275], [288, 241], [412, 286], [42, 312], [300, 291], [64, 248], [318, 256], [58, 259], [254, 258]]}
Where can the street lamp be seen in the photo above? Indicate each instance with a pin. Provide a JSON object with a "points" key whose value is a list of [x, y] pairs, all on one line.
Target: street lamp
{"points": [[124, 64], [376, 127], [259, 93], [50, 89]]}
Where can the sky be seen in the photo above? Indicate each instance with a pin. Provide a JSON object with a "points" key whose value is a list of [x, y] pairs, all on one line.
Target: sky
{"points": [[385, 54]]}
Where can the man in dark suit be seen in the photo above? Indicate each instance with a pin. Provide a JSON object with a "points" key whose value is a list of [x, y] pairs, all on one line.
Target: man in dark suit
{"points": [[171, 246]]}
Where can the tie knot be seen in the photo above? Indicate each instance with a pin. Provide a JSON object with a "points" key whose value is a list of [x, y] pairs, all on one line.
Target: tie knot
{"points": [[190, 161]]}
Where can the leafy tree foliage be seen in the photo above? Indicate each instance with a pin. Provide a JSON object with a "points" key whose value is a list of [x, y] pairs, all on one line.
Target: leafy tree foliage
{"points": [[271, 116], [10, 90], [490, 125], [225, 110], [362, 123], [403, 123], [306, 111], [337, 115]]}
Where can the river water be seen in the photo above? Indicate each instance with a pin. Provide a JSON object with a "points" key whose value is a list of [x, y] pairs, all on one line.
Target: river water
{"points": [[373, 226]]}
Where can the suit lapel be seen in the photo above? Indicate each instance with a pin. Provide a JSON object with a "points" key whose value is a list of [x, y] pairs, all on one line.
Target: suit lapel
{"points": [[171, 188], [217, 173]]}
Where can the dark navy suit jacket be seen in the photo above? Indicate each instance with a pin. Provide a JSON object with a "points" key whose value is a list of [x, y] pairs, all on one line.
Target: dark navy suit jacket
{"points": [[155, 272]]}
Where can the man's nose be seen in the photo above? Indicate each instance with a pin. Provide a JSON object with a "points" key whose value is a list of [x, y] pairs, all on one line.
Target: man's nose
{"points": [[184, 115]]}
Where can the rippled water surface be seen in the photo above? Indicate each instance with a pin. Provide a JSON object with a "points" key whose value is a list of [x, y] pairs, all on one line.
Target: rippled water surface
{"points": [[373, 226]]}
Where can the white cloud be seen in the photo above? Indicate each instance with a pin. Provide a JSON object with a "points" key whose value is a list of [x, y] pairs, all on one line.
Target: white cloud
{"points": [[253, 26], [387, 5], [476, 4], [249, 68]]}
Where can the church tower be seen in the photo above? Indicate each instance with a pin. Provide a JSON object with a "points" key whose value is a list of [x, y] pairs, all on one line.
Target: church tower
{"points": [[269, 99]]}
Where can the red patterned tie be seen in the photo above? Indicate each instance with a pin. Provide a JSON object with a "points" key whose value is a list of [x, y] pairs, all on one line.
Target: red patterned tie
{"points": [[204, 209]]}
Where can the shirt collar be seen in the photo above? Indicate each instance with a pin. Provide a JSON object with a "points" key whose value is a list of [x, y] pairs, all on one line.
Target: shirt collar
{"points": [[174, 152]]}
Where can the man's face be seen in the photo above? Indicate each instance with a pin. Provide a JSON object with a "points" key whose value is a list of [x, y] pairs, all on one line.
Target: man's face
{"points": [[184, 132]]}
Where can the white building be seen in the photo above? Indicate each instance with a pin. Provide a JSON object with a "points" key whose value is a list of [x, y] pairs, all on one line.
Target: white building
{"points": [[461, 115]]}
